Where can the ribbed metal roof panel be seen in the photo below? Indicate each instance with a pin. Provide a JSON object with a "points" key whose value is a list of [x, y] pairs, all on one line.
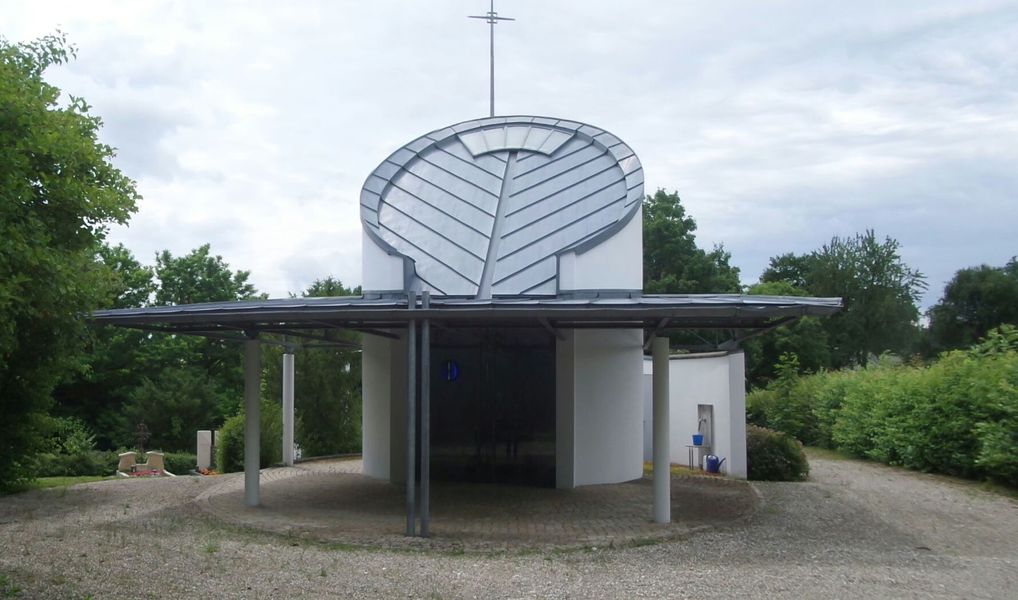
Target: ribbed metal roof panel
{"points": [[664, 311], [510, 192]]}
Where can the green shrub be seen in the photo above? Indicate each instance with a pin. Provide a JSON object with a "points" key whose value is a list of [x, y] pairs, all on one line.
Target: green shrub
{"points": [[230, 446], [90, 462], [774, 456], [180, 463], [760, 405], [69, 435], [802, 407], [958, 415]]}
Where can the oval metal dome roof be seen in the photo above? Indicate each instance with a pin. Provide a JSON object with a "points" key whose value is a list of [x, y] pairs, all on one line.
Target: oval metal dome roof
{"points": [[483, 208]]}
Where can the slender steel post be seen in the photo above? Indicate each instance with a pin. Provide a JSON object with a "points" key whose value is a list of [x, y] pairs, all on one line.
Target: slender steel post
{"points": [[425, 417], [492, 19], [491, 37], [411, 416], [288, 406], [662, 437], [252, 419]]}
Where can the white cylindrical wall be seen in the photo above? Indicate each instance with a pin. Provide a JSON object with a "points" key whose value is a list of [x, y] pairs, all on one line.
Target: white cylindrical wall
{"points": [[714, 379], [614, 264], [737, 464], [606, 405], [697, 381], [376, 389], [380, 271]]}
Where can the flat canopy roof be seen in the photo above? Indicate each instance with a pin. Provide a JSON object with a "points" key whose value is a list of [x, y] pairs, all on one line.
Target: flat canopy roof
{"points": [[366, 313]]}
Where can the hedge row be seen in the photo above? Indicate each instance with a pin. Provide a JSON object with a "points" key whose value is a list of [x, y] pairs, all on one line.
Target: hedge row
{"points": [[102, 462], [957, 416]]}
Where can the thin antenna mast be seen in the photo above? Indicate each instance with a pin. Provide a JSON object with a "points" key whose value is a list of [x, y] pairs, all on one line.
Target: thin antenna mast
{"points": [[492, 18]]}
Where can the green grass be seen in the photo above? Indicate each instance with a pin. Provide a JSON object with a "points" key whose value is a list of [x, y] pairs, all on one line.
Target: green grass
{"points": [[986, 486], [7, 588], [648, 469], [56, 482], [43, 483], [828, 454]]}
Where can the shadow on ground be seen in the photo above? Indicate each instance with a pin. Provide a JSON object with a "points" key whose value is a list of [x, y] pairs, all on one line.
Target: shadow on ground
{"points": [[330, 502]]}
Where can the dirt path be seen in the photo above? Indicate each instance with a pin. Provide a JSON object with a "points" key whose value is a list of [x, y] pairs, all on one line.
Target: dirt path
{"points": [[854, 530]]}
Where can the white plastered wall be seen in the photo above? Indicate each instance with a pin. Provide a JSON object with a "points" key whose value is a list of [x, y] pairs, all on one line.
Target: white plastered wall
{"points": [[380, 271], [614, 264], [376, 392], [383, 377], [711, 379], [599, 407]]}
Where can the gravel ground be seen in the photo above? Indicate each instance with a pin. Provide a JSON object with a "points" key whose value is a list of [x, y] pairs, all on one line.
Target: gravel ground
{"points": [[854, 530], [330, 501]]}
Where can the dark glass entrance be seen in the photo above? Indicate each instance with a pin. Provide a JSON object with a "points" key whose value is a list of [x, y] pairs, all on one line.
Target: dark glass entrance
{"points": [[493, 406]]}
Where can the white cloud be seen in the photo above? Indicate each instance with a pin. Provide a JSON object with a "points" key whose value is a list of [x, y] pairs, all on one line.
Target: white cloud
{"points": [[253, 125]]}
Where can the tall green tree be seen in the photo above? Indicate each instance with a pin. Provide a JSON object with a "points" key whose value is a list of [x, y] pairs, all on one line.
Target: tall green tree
{"points": [[805, 339], [199, 277], [174, 384], [975, 301], [59, 192], [672, 262], [186, 383], [98, 393], [880, 293], [327, 384]]}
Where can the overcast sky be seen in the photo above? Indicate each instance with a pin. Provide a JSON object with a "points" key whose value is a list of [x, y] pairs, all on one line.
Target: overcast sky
{"points": [[252, 125]]}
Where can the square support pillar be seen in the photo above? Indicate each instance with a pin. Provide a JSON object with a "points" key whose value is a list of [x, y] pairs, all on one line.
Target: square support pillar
{"points": [[252, 420], [662, 434]]}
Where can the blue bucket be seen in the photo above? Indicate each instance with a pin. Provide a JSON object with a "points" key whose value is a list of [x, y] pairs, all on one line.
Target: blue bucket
{"points": [[697, 439]]}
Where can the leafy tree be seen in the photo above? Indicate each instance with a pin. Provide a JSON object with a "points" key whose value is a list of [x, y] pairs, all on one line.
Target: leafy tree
{"points": [[805, 340], [176, 402], [199, 277], [98, 393], [132, 284], [184, 383], [975, 301], [59, 192], [788, 268], [174, 384], [327, 385], [880, 294], [329, 287], [672, 262]]}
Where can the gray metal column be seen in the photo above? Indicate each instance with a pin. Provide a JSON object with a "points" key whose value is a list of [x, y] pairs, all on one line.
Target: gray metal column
{"points": [[288, 407], [662, 436], [425, 418], [411, 416], [252, 419]]}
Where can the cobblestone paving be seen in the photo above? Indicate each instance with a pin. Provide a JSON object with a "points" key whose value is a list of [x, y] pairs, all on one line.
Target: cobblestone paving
{"points": [[332, 501]]}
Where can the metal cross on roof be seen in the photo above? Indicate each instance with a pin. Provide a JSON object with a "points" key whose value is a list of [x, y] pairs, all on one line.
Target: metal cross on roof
{"points": [[492, 19]]}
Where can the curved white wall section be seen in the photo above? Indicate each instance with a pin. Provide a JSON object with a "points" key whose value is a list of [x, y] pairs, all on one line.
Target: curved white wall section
{"points": [[380, 271], [376, 391], [599, 408], [614, 264], [715, 380]]}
